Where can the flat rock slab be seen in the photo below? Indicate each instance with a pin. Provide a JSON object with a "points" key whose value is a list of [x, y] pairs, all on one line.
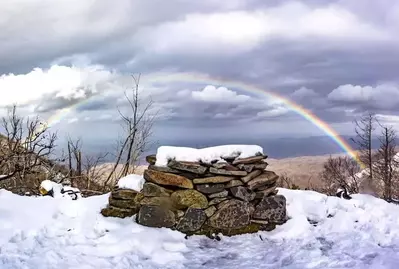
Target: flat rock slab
{"points": [[234, 214], [169, 170], [111, 211], [243, 193], [133, 204], [214, 179], [156, 216], [216, 201], [221, 194], [249, 160], [191, 167], [124, 194], [234, 183], [209, 188], [251, 176], [225, 172], [183, 199], [226, 166], [266, 192], [265, 179], [167, 179], [192, 220], [271, 209]]}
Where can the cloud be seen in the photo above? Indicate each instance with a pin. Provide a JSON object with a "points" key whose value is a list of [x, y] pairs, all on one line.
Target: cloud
{"points": [[218, 95], [241, 31], [303, 92], [382, 96], [59, 82]]}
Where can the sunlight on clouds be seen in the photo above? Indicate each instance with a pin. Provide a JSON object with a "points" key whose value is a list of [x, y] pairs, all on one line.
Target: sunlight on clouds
{"points": [[62, 81]]}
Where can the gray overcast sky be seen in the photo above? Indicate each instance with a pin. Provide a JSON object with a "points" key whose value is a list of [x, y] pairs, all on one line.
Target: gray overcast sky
{"points": [[338, 59]]}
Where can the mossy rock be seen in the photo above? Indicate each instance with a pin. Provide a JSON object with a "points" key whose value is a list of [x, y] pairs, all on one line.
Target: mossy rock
{"points": [[184, 199], [125, 204], [165, 202], [124, 194], [111, 211]]}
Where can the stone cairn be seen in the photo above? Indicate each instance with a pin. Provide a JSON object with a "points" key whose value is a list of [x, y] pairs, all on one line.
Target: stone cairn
{"points": [[232, 197]]}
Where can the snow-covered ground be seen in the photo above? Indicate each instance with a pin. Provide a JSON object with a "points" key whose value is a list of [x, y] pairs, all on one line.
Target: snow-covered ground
{"points": [[46, 232]]}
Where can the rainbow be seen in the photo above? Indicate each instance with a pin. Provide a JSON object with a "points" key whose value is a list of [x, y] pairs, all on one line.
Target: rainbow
{"points": [[246, 87]]}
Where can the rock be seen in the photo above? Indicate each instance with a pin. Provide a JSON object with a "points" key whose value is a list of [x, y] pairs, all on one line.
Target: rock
{"points": [[167, 179], [210, 211], [216, 201], [126, 204], [251, 176], [225, 172], [166, 169], [271, 209], [246, 167], [221, 194], [192, 220], [250, 167], [153, 190], [163, 169], [191, 167], [157, 201], [111, 211], [234, 214], [249, 160], [189, 198], [156, 216], [209, 188], [221, 204], [179, 213], [214, 179], [226, 166], [262, 222], [234, 183], [264, 179], [123, 194], [266, 192], [151, 159], [242, 193]]}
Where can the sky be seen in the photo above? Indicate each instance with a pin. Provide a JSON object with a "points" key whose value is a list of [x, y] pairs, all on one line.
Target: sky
{"points": [[71, 61]]}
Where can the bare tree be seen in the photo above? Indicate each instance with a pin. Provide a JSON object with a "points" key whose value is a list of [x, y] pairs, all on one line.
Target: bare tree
{"points": [[284, 181], [138, 124], [26, 146], [364, 134], [341, 172], [386, 163]]}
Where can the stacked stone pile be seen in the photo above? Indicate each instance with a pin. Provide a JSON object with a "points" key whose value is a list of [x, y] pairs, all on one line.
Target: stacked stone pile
{"points": [[232, 196]]}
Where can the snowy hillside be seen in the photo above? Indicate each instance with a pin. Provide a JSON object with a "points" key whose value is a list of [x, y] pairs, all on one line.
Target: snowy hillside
{"points": [[323, 232]]}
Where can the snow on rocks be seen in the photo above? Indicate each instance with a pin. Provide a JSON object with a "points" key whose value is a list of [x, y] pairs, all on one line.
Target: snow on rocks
{"points": [[56, 190], [206, 155], [183, 194], [131, 182]]}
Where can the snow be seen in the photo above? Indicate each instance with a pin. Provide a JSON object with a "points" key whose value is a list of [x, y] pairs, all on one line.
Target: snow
{"points": [[206, 155], [132, 182], [322, 232], [60, 191]]}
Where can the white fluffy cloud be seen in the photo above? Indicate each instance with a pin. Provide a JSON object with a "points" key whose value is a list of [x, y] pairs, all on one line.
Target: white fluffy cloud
{"points": [[62, 81], [219, 95], [381, 96], [239, 31]]}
